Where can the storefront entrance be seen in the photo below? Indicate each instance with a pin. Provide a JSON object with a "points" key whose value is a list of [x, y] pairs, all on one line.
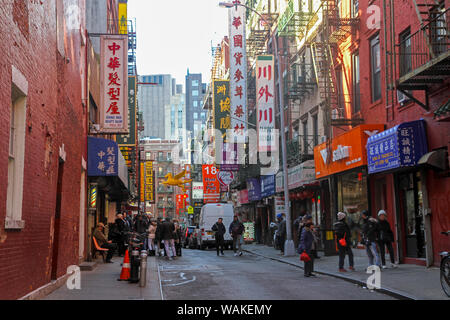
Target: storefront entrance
{"points": [[411, 217]]}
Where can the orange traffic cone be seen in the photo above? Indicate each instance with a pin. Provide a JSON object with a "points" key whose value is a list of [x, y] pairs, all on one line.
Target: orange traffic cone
{"points": [[125, 274]]}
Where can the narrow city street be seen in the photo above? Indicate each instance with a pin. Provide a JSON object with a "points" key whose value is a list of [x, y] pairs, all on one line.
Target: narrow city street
{"points": [[202, 275]]}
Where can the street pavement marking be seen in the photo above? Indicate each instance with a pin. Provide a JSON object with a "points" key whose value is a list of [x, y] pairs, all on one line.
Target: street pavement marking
{"points": [[182, 276], [167, 268]]}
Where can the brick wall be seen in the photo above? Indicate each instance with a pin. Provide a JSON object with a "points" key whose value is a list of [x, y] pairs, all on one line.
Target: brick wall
{"points": [[55, 117]]}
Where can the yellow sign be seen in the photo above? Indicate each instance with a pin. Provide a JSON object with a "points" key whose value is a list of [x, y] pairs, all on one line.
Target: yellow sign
{"points": [[190, 210], [123, 18], [149, 182], [142, 182]]}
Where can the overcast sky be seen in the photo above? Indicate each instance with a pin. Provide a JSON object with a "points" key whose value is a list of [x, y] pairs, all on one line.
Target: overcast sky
{"points": [[174, 35]]}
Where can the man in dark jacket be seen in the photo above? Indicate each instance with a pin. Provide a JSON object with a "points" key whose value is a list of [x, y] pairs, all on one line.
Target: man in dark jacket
{"points": [[369, 237], [168, 238], [103, 242], [342, 231], [220, 230], [386, 237], [236, 230], [122, 229], [308, 245]]}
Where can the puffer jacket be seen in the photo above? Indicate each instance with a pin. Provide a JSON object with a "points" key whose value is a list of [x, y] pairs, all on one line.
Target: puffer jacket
{"points": [[385, 231], [369, 230], [342, 230]]}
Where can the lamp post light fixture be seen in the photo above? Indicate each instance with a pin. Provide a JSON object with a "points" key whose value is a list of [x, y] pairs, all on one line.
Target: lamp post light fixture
{"points": [[289, 248]]}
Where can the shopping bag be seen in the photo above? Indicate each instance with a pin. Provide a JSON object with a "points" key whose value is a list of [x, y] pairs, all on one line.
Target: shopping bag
{"points": [[304, 257], [343, 242]]}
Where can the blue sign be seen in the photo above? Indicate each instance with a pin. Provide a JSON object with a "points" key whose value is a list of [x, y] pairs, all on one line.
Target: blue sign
{"points": [[254, 189], [103, 158], [267, 186], [400, 146]]}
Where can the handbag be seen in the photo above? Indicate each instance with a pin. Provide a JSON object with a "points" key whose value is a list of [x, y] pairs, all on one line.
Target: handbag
{"points": [[342, 241], [305, 257]]}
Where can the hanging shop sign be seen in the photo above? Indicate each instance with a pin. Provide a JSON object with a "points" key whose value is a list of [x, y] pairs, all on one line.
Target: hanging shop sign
{"points": [[265, 103], [267, 186], [254, 189], [243, 196], [103, 157], [225, 177], [197, 190], [130, 138], [279, 205], [187, 167], [123, 18], [298, 176], [238, 72], [400, 146], [149, 182], [211, 185], [113, 84], [344, 152], [221, 103], [142, 182]]}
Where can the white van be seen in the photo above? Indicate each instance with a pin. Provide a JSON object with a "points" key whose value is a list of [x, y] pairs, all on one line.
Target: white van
{"points": [[209, 215]]}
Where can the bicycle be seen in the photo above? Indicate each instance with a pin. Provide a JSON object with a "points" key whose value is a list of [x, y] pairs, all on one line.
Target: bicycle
{"points": [[445, 268]]}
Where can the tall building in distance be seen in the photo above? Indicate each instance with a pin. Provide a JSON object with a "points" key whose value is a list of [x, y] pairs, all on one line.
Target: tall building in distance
{"points": [[153, 97], [195, 115]]}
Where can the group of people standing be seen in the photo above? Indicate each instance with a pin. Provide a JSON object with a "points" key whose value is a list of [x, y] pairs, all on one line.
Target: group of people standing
{"points": [[236, 229], [160, 237]]}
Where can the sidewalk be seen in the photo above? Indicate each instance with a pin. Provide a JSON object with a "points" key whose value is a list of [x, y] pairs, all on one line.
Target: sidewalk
{"points": [[405, 282], [102, 284]]}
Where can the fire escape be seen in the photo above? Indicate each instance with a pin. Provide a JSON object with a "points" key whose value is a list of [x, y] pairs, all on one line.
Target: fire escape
{"points": [[424, 56], [333, 30]]}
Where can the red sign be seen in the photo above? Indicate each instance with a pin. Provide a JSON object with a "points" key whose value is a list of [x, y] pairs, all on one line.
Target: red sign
{"points": [[211, 185]]}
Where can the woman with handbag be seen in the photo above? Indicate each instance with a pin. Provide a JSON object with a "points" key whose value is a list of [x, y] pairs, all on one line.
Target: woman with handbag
{"points": [[343, 242], [385, 239], [151, 237], [307, 248]]}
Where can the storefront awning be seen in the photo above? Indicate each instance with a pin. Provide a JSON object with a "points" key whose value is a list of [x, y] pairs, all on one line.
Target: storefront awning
{"points": [[400, 146], [298, 176], [435, 159]]}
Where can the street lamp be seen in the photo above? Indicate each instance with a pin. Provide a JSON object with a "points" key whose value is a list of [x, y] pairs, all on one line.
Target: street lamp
{"points": [[289, 249]]}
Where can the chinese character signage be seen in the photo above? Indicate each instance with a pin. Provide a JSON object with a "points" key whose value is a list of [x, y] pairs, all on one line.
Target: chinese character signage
{"points": [[267, 186], [211, 185], [400, 146], [254, 189], [265, 103], [113, 84], [149, 182], [221, 106], [249, 231], [187, 167], [142, 182], [130, 138], [238, 72], [197, 190], [103, 158]]}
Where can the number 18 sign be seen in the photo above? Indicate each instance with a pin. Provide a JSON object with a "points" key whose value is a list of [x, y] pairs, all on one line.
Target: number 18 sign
{"points": [[211, 185]]}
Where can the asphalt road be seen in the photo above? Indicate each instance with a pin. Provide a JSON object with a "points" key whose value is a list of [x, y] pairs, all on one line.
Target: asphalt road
{"points": [[201, 275]]}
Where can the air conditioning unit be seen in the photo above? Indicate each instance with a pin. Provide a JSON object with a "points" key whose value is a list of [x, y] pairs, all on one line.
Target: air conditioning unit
{"points": [[402, 98]]}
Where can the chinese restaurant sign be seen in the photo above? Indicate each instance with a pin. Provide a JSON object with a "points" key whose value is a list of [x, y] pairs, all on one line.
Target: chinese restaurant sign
{"points": [[265, 103], [400, 146], [187, 167], [222, 106], [113, 84], [130, 138], [267, 186], [103, 160], [149, 182], [238, 72], [211, 184], [254, 189]]}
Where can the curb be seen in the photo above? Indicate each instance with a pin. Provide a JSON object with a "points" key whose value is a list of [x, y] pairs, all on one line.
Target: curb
{"points": [[387, 291], [46, 289]]}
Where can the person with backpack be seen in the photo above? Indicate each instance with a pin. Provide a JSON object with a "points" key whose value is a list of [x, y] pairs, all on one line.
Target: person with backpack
{"points": [[219, 229], [307, 247], [385, 239], [343, 242], [236, 230], [369, 234]]}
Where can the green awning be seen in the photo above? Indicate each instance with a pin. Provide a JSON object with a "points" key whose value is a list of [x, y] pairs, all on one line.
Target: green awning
{"points": [[443, 112]]}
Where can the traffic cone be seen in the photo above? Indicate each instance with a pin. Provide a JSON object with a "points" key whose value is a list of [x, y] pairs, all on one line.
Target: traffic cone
{"points": [[125, 274]]}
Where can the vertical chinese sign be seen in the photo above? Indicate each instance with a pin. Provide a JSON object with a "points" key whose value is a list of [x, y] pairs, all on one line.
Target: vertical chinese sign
{"points": [[149, 182], [187, 167], [238, 72], [211, 185], [265, 103], [102, 157], [142, 182], [114, 84], [221, 103]]}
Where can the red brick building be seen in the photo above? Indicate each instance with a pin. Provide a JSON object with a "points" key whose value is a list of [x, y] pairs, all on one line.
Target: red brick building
{"points": [[43, 129]]}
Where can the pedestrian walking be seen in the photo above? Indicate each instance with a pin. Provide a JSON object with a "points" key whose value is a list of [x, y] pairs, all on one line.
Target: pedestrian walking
{"points": [[385, 239], [220, 230], [343, 242], [369, 235], [178, 236], [167, 237], [236, 230], [151, 238], [308, 245], [141, 227]]}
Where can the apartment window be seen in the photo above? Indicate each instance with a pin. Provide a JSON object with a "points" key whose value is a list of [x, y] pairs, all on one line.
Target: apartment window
{"points": [[195, 115], [160, 155], [375, 68], [195, 93], [195, 83], [195, 104], [203, 116], [315, 119], [405, 52], [147, 156], [16, 157], [356, 81], [169, 155]]}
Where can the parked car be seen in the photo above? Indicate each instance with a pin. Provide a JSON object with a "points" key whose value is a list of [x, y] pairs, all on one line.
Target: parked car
{"points": [[209, 215]]}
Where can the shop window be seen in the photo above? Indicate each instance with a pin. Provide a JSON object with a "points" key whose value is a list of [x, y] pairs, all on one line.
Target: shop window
{"points": [[356, 86], [405, 52]]}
